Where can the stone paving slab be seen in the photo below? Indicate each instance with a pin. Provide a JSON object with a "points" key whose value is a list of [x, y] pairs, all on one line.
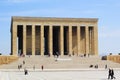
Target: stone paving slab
{"points": [[82, 74]]}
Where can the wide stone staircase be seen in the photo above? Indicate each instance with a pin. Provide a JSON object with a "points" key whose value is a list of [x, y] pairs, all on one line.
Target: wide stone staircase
{"points": [[62, 62]]}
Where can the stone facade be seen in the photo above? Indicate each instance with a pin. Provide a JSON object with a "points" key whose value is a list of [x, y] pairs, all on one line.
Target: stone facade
{"points": [[51, 36], [7, 59], [114, 58]]}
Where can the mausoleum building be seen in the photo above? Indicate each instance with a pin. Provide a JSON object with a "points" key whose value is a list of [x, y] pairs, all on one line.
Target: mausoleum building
{"points": [[51, 36]]}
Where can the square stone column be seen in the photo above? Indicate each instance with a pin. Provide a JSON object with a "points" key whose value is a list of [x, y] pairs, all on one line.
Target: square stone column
{"points": [[24, 39], [33, 39], [50, 40], [95, 40], [61, 40], [14, 40], [78, 40], [70, 39], [86, 40], [42, 40]]}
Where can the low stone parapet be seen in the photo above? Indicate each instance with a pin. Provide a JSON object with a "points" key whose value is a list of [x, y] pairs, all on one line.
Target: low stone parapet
{"points": [[7, 59], [114, 58]]}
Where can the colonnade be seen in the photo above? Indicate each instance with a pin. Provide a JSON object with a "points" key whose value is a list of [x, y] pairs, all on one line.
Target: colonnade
{"points": [[84, 39]]}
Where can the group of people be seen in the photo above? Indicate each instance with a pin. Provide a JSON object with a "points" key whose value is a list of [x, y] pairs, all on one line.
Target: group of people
{"points": [[26, 71], [19, 66], [84, 55], [111, 74], [95, 66], [42, 67]]}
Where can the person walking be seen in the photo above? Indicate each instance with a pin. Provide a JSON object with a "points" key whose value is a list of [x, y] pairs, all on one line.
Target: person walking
{"points": [[23, 62], [25, 71], [34, 67], [112, 74], [42, 67], [106, 66], [109, 73], [19, 67]]}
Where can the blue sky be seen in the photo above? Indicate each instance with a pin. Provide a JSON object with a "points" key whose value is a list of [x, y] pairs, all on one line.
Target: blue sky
{"points": [[108, 12]]}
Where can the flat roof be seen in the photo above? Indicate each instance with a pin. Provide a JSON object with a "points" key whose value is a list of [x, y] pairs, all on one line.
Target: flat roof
{"points": [[60, 19]]}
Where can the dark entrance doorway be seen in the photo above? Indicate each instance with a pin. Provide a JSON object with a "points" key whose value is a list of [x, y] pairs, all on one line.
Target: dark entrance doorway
{"points": [[29, 39], [66, 40], [46, 37], [56, 38], [20, 39]]}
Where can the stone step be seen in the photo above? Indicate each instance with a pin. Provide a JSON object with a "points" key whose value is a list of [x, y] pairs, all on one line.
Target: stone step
{"points": [[62, 62]]}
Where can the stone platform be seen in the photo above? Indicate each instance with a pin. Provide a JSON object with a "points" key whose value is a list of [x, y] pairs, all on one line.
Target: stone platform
{"points": [[65, 68], [63, 62], [57, 74]]}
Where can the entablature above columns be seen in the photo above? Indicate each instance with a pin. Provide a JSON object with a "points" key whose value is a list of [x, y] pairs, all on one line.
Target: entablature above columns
{"points": [[52, 19]]}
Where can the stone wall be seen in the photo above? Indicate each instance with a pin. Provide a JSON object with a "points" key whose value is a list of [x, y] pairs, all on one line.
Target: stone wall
{"points": [[7, 59], [114, 58]]}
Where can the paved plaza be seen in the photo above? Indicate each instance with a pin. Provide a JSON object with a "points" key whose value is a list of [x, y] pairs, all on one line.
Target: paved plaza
{"points": [[65, 68], [57, 74]]}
